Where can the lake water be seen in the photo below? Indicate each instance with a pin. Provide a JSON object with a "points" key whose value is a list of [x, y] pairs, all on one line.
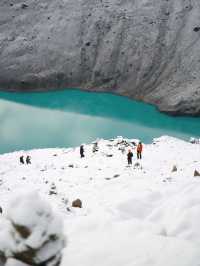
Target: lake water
{"points": [[71, 117]]}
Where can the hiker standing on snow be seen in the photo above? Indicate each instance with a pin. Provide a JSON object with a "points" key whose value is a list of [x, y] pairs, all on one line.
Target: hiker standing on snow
{"points": [[139, 150], [82, 151], [21, 159], [28, 159], [129, 157], [95, 147]]}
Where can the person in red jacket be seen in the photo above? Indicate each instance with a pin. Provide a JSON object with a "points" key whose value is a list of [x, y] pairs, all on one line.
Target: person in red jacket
{"points": [[139, 150]]}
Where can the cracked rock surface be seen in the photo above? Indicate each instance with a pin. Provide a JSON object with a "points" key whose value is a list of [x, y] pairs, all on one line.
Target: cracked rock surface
{"points": [[144, 49]]}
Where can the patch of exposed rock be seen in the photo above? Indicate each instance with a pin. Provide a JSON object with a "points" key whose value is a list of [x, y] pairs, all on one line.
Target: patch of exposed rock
{"points": [[145, 49]]}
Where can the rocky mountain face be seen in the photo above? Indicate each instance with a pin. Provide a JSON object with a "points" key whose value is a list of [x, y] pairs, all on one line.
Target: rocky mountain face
{"points": [[145, 49]]}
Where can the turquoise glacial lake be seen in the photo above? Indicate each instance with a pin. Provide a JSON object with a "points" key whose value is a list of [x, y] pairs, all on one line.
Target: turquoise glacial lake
{"points": [[71, 117]]}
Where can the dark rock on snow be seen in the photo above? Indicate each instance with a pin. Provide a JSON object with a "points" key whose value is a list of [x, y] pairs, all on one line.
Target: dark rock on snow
{"points": [[53, 190], [196, 173], [174, 169], [109, 155], [77, 203]]}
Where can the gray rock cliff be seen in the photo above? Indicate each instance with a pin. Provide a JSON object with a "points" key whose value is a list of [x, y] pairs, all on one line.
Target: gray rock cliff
{"points": [[145, 49]]}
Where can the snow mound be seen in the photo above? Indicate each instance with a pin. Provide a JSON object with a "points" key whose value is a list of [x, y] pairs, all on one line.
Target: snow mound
{"points": [[31, 232]]}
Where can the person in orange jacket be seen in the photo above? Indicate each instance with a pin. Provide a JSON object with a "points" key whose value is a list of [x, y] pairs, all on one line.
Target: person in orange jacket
{"points": [[139, 150]]}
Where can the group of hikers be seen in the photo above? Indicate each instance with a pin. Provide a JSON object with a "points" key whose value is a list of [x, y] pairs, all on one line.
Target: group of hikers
{"points": [[94, 149], [22, 160], [139, 150], [139, 153]]}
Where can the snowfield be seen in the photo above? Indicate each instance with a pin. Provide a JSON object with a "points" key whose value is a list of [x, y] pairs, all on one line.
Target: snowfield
{"points": [[143, 215]]}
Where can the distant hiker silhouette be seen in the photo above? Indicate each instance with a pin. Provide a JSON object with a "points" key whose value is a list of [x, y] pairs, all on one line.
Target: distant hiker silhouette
{"points": [[95, 147], [82, 151], [129, 157], [28, 159], [139, 150], [21, 159]]}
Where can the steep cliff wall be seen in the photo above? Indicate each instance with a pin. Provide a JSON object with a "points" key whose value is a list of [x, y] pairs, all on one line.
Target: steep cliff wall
{"points": [[145, 49]]}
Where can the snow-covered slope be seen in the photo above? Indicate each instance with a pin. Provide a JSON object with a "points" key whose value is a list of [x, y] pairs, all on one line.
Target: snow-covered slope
{"points": [[145, 49], [144, 215]]}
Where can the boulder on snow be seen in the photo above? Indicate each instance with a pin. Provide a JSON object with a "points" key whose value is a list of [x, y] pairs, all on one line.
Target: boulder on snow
{"points": [[52, 192], [77, 203], [196, 173], [32, 235], [1, 210], [174, 169], [109, 155], [134, 143]]}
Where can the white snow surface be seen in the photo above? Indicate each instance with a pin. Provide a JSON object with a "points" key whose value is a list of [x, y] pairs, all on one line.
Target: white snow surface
{"points": [[131, 216]]}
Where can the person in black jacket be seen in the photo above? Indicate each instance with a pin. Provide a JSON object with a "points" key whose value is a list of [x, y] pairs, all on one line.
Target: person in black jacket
{"points": [[82, 151], [129, 157], [21, 159], [28, 159]]}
